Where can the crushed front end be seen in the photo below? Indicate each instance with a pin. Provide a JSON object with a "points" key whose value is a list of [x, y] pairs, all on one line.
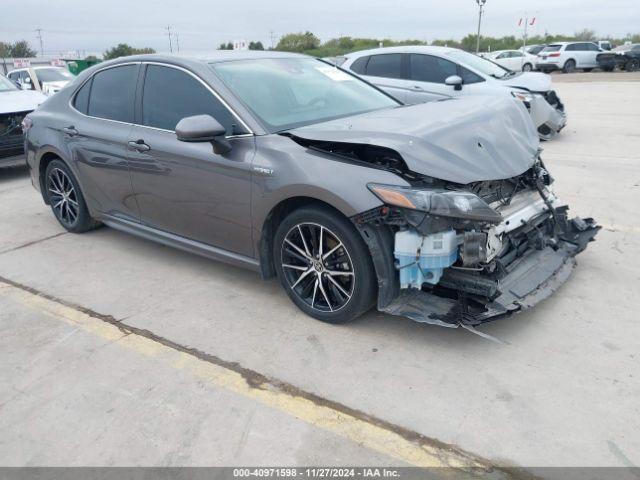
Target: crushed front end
{"points": [[11, 142], [461, 255]]}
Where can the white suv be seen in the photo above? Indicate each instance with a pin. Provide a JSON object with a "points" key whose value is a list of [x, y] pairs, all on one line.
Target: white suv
{"points": [[417, 74], [568, 56]]}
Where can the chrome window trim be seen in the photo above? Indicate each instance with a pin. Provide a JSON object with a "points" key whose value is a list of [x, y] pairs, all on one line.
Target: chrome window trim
{"points": [[75, 93], [211, 90]]}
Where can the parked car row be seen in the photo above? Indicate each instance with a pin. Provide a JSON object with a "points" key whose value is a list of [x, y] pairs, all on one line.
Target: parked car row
{"points": [[442, 212], [416, 74], [47, 80], [516, 60]]}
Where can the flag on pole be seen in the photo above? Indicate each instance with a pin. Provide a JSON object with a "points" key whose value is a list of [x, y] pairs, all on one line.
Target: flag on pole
{"points": [[520, 22], [533, 20]]}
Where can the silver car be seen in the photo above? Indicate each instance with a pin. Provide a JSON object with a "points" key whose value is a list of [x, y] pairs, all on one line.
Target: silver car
{"points": [[415, 74], [289, 166]]}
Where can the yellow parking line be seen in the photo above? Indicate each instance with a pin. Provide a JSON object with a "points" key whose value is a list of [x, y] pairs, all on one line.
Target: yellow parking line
{"points": [[363, 429]]}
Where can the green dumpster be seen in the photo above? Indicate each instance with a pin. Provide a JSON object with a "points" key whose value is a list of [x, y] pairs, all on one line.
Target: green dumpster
{"points": [[76, 66]]}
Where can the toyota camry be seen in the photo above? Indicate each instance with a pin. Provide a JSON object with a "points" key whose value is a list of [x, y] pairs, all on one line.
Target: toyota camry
{"points": [[284, 164]]}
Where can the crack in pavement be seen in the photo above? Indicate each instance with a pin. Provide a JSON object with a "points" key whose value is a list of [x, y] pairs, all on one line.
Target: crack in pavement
{"points": [[34, 242]]}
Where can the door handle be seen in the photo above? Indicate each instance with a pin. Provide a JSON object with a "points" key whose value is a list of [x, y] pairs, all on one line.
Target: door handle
{"points": [[139, 145], [71, 131], [418, 87]]}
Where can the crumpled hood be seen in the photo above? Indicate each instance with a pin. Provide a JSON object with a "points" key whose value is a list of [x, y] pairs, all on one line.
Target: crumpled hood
{"points": [[20, 101], [532, 81], [461, 140]]}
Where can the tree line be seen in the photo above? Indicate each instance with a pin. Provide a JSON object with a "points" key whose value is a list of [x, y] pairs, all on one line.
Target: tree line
{"points": [[310, 44]]}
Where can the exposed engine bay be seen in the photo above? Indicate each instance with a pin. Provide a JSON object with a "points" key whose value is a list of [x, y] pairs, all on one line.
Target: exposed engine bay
{"points": [[460, 255]]}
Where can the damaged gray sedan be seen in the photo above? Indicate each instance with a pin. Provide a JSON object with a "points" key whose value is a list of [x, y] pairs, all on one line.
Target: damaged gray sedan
{"points": [[281, 163]]}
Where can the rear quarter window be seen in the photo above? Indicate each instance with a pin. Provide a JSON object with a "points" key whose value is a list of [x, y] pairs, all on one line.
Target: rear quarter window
{"points": [[359, 65], [81, 100]]}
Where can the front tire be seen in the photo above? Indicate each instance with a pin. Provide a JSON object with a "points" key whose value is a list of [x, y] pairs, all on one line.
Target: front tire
{"points": [[324, 265], [569, 66], [65, 198], [527, 67]]}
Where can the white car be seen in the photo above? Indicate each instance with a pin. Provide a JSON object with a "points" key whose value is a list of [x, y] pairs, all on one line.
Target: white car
{"points": [[514, 60], [47, 80], [568, 57], [14, 106], [416, 74]]}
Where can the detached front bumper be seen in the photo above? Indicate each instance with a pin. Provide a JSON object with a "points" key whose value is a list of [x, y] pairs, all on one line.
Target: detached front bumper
{"points": [[549, 120], [467, 298]]}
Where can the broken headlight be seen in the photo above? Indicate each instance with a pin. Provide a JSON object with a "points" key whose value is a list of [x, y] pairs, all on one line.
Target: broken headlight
{"points": [[444, 203], [522, 96]]}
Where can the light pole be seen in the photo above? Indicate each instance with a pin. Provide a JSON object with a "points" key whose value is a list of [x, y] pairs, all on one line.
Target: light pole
{"points": [[480, 4]]}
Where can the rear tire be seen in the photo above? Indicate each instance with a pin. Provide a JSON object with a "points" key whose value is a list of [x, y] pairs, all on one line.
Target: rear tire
{"points": [[324, 265], [632, 65], [65, 198], [569, 66]]}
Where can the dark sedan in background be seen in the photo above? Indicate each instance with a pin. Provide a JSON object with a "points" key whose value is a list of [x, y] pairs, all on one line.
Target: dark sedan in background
{"points": [[625, 57]]}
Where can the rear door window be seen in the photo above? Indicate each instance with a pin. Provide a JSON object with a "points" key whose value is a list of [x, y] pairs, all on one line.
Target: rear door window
{"points": [[388, 65], [113, 93], [428, 68], [170, 95]]}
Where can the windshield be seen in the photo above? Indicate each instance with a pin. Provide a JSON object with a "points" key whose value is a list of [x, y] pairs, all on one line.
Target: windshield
{"points": [[53, 75], [291, 92], [478, 63], [6, 85]]}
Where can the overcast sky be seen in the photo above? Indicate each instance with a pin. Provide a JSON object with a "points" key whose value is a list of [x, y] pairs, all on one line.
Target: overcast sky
{"points": [[94, 25]]}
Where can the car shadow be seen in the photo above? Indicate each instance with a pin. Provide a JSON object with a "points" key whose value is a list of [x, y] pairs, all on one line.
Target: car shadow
{"points": [[10, 173]]}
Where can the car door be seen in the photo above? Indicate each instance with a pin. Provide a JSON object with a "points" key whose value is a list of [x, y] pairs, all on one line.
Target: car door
{"points": [[582, 54], [592, 54], [516, 60], [427, 74], [185, 188], [385, 71], [96, 133]]}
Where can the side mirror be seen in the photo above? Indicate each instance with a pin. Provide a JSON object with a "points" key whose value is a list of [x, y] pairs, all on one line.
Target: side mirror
{"points": [[26, 84], [203, 128], [454, 81]]}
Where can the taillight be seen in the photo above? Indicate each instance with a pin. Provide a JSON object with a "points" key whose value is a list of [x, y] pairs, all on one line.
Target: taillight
{"points": [[555, 54], [27, 123]]}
